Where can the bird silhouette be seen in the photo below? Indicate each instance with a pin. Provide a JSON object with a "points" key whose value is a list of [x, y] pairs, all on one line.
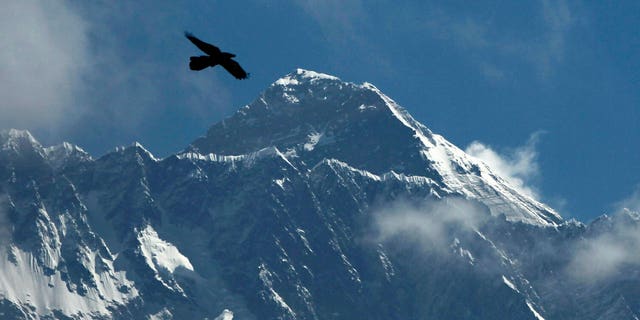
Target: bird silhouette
{"points": [[213, 58]]}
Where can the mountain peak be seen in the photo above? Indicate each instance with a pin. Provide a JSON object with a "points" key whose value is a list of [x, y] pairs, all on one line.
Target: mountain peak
{"points": [[302, 76], [66, 153], [312, 116], [14, 138]]}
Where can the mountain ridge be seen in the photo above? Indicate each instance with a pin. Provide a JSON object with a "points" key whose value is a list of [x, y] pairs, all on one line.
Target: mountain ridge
{"points": [[309, 223], [382, 129]]}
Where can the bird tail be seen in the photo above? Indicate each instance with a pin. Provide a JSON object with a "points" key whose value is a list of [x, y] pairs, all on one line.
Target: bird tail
{"points": [[198, 63]]}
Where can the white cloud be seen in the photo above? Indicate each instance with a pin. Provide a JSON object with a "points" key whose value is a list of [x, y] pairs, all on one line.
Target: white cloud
{"points": [[519, 166], [617, 245], [429, 223], [604, 256], [43, 58], [630, 203]]}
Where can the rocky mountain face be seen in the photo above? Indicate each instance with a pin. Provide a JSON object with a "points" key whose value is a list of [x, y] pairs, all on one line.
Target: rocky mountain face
{"points": [[322, 199]]}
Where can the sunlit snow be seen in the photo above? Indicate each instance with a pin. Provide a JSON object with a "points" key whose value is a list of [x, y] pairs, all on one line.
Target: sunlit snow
{"points": [[225, 315], [535, 313], [160, 254], [24, 281]]}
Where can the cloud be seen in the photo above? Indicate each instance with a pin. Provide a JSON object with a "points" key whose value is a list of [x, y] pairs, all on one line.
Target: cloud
{"points": [[429, 223], [519, 166], [560, 21], [337, 18], [43, 59], [90, 70], [540, 42], [464, 32], [546, 54], [140, 72], [615, 245], [630, 203], [605, 255]]}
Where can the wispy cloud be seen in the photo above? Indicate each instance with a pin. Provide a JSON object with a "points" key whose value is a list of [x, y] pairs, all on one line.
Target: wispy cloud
{"points": [[466, 32], [630, 203], [491, 45], [338, 19], [43, 60], [518, 166], [559, 21], [547, 50], [137, 76], [429, 223], [614, 246], [605, 255], [350, 30]]}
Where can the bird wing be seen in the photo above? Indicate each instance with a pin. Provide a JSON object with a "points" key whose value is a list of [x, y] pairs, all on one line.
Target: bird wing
{"points": [[234, 68], [206, 47]]}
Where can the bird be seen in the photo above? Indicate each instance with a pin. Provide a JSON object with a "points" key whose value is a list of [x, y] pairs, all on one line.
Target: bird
{"points": [[213, 58]]}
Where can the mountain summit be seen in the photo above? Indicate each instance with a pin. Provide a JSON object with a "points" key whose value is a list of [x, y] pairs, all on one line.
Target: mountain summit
{"points": [[311, 116], [322, 199]]}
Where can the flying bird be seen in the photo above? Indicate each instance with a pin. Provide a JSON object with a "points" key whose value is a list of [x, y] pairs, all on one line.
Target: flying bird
{"points": [[213, 58]]}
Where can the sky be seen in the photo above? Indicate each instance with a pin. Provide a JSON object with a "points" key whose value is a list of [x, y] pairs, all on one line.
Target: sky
{"points": [[546, 92]]}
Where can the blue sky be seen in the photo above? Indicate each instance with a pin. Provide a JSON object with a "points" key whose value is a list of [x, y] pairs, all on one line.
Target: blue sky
{"points": [[547, 91]]}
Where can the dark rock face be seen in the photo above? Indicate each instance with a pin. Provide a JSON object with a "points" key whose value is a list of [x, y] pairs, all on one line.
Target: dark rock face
{"points": [[320, 200]]}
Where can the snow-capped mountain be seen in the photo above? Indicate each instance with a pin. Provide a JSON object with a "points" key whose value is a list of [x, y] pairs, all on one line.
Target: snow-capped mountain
{"points": [[313, 116], [322, 199]]}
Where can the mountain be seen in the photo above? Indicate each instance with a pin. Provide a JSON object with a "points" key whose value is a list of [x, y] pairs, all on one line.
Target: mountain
{"points": [[313, 116], [322, 199]]}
